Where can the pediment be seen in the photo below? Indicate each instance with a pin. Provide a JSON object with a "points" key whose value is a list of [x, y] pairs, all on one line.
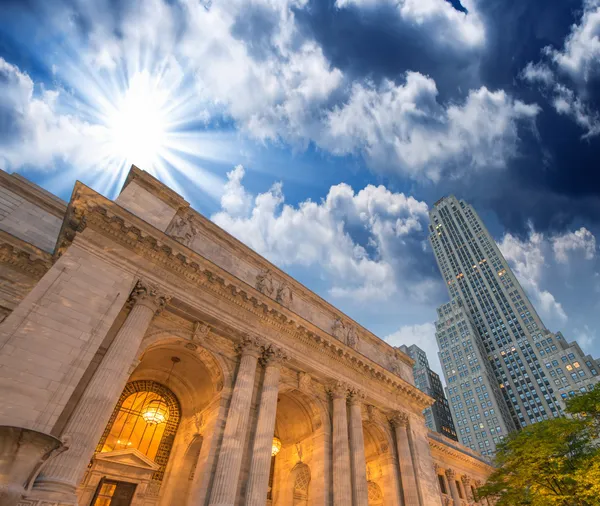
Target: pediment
{"points": [[128, 457]]}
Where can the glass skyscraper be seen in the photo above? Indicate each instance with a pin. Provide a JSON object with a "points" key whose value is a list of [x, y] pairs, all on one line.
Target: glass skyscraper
{"points": [[503, 368]]}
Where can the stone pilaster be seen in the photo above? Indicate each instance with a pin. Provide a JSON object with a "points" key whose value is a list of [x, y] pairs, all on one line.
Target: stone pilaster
{"points": [[260, 466], [360, 491], [407, 471], [83, 430], [451, 475], [225, 484], [342, 484]]}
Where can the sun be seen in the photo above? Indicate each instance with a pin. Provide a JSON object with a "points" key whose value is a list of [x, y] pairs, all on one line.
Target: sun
{"points": [[138, 122]]}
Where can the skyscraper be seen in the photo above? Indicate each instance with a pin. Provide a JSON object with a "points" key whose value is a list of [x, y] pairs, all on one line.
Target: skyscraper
{"points": [[437, 417], [503, 368]]}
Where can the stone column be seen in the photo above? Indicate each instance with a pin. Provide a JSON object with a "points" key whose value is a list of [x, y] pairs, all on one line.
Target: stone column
{"points": [[451, 475], [466, 481], [225, 483], [260, 466], [360, 491], [391, 484], [342, 484], [407, 471], [89, 418]]}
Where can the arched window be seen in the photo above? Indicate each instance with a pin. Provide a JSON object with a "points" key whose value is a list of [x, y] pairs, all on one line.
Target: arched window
{"points": [[375, 495], [146, 419], [301, 483]]}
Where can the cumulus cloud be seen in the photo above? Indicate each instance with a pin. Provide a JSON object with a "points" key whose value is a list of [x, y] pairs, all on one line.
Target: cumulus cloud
{"points": [[570, 74], [438, 17], [534, 258], [404, 126], [423, 335], [364, 243], [32, 131]]}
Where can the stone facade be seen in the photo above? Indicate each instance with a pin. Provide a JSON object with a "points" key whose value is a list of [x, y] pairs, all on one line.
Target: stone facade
{"points": [[168, 358]]}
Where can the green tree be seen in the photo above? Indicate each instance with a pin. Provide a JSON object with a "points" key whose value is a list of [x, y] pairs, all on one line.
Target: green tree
{"points": [[551, 463]]}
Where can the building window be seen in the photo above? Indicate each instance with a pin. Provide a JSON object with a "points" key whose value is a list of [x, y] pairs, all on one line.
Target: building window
{"points": [[129, 425]]}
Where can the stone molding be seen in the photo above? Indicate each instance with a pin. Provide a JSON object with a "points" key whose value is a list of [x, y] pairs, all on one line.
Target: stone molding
{"points": [[31, 263], [464, 455], [149, 295], [356, 396], [155, 187], [95, 211], [24, 189]]}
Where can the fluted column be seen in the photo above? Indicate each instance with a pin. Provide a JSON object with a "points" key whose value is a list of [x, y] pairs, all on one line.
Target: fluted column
{"points": [[90, 416], [260, 466], [407, 471], [466, 481], [360, 492], [225, 484], [451, 475], [342, 484]]}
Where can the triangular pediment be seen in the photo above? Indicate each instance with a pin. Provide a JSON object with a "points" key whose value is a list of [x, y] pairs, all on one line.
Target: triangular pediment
{"points": [[128, 457]]}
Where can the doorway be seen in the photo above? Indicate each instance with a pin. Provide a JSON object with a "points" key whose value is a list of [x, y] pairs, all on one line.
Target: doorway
{"points": [[113, 493]]}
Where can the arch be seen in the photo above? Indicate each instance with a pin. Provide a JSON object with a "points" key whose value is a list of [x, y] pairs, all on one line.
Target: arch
{"points": [[171, 424]]}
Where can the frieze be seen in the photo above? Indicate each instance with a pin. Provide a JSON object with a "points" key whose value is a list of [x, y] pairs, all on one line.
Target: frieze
{"points": [[197, 270], [183, 229], [24, 261]]}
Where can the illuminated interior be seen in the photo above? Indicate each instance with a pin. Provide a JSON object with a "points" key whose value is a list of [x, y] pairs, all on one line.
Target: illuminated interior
{"points": [[140, 423]]}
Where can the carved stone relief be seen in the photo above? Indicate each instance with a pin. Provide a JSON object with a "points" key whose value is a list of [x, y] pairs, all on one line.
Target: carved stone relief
{"points": [[273, 287], [183, 229], [345, 332]]}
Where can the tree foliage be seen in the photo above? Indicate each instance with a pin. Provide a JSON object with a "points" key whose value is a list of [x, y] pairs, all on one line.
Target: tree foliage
{"points": [[551, 463]]}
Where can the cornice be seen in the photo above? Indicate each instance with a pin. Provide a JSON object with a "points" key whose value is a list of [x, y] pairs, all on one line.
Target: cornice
{"points": [[437, 443], [23, 256], [104, 216], [32, 193], [209, 229]]}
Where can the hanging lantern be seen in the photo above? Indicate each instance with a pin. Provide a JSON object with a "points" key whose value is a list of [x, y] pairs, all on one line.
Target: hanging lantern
{"points": [[276, 446], [156, 412]]}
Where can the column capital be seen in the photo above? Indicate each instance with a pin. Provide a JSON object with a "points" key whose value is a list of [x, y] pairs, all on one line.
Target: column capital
{"points": [[399, 419], [356, 396], [447, 501], [465, 479], [250, 346], [337, 389], [450, 474], [150, 295], [273, 356]]}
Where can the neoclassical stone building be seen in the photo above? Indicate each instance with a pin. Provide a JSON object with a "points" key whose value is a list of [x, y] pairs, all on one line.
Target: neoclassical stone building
{"points": [[148, 358]]}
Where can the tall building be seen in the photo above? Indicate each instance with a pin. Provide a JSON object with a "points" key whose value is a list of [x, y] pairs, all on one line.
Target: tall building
{"points": [[437, 417], [495, 350]]}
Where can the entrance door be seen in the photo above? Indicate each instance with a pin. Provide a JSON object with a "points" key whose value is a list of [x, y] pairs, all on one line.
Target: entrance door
{"points": [[113, 493]]}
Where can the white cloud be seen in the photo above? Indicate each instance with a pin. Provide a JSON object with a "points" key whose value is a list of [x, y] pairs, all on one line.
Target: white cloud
{"points": [[581, 239], [362, 243], [32, 131], [235, 201], [526, 258], [423, 335], [535, 260], [579, 61], [438, 17], [404, 126], [580, 56]]}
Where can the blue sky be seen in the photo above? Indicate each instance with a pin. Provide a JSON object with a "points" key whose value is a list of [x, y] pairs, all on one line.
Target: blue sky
{"points": [[319, 132]]}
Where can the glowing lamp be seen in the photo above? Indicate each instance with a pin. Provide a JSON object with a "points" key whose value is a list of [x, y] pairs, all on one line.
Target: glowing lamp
{"points": [[276, 446], [156, 412]]}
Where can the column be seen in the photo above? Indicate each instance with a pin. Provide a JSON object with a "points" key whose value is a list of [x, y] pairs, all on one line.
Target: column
{"points": [[466, 481], [342, 484], [260, 466], [225, 483], [360, 492], [451, 475], [391, 484], [90, 416], [407, 472]]}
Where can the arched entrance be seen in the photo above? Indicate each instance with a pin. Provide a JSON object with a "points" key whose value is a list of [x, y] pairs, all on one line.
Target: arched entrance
{"points": [[149, 451], [298, 473]]}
